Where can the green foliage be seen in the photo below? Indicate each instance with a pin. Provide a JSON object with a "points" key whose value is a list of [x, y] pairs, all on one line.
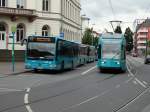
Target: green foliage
{"points": [[96, 41], [148, 43], [118, 30], [87, 37], [129, 39]]}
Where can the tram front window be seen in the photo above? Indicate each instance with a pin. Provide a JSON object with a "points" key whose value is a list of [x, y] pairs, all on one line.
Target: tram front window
{"points": [[111, 51]]}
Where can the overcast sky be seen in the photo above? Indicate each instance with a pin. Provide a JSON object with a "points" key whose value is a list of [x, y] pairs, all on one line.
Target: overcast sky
{"points": [[100, 13]]}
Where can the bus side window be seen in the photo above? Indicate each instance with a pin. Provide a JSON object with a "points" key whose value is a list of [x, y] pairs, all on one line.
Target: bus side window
{"points": [[99, 52]]}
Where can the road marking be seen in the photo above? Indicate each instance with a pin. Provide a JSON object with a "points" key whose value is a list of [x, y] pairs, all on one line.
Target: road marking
{"points": [[86, 101], [28, 90], [7, 90], [130, 73], [135, 82], [143, 85], [88, 70], [140, 83], [127, 81], [26, 100]]}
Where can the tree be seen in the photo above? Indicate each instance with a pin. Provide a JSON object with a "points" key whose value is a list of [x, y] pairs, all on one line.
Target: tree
{"points": [[96, 41], [87, 37], [118, 30], [148, 43], [129, 39]]}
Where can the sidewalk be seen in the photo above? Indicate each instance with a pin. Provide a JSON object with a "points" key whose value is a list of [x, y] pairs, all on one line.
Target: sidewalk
{"points": [[6, 68]]}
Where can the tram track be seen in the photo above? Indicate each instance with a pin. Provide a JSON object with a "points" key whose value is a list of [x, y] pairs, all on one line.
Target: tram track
{"points": [[140, 93]]}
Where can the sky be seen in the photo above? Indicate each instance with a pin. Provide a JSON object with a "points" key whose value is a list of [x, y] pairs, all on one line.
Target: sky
{"points": [[101, 12]]}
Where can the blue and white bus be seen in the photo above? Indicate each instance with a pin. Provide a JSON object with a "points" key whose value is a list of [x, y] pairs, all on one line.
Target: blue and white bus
{"points": [[112, 52], [91, 54], [51, 53]]}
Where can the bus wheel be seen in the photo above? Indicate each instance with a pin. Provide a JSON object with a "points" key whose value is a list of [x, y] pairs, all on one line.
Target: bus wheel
{"points": [[35, 70], [62, 66]]}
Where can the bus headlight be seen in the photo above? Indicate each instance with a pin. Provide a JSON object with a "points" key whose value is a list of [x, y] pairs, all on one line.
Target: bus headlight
{"points": [[118, 63]]}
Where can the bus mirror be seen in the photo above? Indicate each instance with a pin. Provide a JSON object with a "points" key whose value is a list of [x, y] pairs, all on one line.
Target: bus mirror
{"points": [[23, 42]]}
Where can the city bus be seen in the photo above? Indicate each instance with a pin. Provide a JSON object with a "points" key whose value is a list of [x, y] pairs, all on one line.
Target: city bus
{"points": [[112, 52], [83, 54], [51, 53], [91, 54]]}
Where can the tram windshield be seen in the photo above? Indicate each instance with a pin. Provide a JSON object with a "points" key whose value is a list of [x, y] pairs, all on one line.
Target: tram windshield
{"points": [[111, 51]]}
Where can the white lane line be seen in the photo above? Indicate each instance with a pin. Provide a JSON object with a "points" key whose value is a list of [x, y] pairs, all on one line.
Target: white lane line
{"points": [[28, 90], [7, 89], [26, 100], [140, 83], [88, 70]]}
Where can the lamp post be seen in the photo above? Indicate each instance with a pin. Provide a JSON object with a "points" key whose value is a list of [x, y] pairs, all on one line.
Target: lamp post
{"points": [[93, 34]]}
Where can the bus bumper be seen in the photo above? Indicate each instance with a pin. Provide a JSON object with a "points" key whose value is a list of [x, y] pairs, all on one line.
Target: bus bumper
{"points": [[41, 65]]}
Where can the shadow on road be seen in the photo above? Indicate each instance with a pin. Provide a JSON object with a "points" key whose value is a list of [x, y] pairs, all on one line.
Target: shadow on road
{"points": [[111, 71]]}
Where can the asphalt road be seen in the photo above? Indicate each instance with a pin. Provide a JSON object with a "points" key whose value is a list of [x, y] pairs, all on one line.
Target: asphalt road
{"points": [[84, 89]]}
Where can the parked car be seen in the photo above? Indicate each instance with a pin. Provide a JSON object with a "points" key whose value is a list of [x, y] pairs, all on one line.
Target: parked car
{"points": [[147, 59]]}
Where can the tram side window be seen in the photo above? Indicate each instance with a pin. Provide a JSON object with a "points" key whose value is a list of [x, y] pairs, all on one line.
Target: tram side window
{"points": [[99, 52], [124, 52]]}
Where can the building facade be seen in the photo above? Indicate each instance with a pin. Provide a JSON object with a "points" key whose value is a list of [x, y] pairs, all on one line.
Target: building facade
{"points": [[85, 23], [143, 34], [39, 17]]}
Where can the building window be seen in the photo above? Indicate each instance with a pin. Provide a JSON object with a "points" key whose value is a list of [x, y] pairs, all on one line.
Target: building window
{"points": [[45, 31], [45, 5], [2, 27], [2, 3], [20, 4], [2, 32], [20, 32]]}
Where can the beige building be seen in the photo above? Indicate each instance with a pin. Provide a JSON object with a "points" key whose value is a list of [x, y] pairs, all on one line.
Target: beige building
{"points": [[39, 17]]}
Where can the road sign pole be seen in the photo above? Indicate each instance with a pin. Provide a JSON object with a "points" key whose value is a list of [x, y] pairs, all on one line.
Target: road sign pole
{"points": [[13, 29], [13, 51]]}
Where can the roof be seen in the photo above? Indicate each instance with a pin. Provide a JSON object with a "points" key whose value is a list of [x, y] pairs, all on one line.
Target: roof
{"points": [[146, 23], [109, 35]]}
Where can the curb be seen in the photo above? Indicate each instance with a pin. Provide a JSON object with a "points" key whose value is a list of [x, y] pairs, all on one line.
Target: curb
{"points": [[14, 74]]}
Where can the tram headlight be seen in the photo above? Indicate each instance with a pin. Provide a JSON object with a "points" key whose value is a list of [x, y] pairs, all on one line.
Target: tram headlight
{"points": [[103, 62]]}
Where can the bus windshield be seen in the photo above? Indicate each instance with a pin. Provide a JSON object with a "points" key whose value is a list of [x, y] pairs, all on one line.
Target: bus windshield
{"points": [[41, 50], [111, 51]]}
